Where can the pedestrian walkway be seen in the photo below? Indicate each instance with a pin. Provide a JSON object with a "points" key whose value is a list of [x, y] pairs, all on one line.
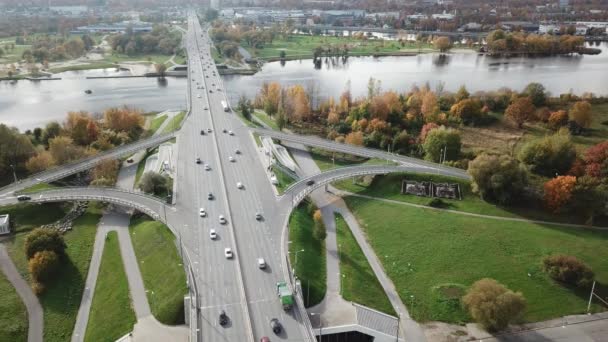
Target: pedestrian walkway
{"points": [[332, 308], [34, 309]]}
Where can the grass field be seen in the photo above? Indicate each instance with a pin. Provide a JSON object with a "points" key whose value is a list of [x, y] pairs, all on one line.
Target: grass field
{"points": [[284, 179], [389, 187], [145, 58], [175, 122], [13, 314], [111, 315], [161, 268], [432, 256], [311, 267], [88, 66], [266, 119], [356, 271], [301, 46], [62, 297], [156, 123]]}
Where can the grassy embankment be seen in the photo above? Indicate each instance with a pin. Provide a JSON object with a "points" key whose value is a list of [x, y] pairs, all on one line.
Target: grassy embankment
{"points": [[356, 271], [161, 268], [311, 266], [61, 299], [111, 315], [433, 256], [175, 123], [301, 46], [13, 314]]}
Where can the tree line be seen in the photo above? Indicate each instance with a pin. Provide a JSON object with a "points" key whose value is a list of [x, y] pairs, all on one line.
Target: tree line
{"points": [[160, 40], [425, 123], [48, 48], [501, 42], [82, 134]]}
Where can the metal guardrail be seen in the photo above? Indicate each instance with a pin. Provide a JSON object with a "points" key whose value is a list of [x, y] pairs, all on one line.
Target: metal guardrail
{"points": [[86, 163], [360, 151]]}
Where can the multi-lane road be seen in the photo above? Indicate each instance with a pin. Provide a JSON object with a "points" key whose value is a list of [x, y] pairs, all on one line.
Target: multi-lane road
{"points": [[246, 293]]}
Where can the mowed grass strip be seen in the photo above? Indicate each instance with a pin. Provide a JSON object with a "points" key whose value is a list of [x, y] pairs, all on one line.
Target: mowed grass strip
{"points": [[422, 250], [112, 314], [13, 314], [62, 296], [358, 282], [327, 160], [311, 268], [161, 268], [173, 125], [156, 123]]}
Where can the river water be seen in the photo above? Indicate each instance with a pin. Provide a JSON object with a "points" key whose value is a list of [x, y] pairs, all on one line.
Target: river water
{"points": [[27, 104]]}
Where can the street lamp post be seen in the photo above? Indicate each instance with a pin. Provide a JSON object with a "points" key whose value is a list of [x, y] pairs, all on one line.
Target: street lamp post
{"points": [[14, 173], [320, 325]]}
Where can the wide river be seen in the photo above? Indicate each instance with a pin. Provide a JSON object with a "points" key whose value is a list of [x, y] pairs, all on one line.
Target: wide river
{"points": [[27, 104]]}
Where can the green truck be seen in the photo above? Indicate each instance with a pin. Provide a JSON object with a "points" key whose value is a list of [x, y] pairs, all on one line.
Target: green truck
{"points": [[285, 294]]}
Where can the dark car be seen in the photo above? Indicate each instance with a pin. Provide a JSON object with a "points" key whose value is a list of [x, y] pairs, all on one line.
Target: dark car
{"points": [[310, 182], [23, 198], [275, 325], [202, 132], [198, 160], [209, 196], [223, 318]]}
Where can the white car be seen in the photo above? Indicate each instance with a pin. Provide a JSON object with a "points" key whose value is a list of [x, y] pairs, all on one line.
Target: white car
{"points": [[261, 263], [239, 185], [231, 132], [258, 216], [212, 234], [199, 96], [228, 253], [231, 159], [202, 212], [207, 167], [222, 219]]}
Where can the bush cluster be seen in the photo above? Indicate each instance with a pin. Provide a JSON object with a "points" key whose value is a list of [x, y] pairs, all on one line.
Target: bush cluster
{"points": [[568, 269]]}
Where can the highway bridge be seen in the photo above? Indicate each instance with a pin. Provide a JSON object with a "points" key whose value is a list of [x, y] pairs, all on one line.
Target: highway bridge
{"points": [[234, 186]]}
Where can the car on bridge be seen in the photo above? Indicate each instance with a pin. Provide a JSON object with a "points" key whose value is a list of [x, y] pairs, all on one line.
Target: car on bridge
{"points": [[210, 196], [276, 326], [231, 159], [261, 263], [198, 160], [222, 219], [202, 212], [212, 234], [239, 185], [207, 167], [223, 319]]}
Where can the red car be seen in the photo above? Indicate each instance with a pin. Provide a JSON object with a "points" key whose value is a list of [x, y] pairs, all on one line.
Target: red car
{"points": [[264, 339]]}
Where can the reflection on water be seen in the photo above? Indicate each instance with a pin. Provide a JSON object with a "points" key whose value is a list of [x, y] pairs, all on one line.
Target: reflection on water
{"points": [[27, 104], [559, 74]]}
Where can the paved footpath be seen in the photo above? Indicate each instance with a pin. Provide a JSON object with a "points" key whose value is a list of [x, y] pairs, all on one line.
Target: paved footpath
{"points": [[34, 310], [410, 329]]}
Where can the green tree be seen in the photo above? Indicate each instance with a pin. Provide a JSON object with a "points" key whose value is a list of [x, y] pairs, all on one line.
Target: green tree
{"points": [[581, 114], [282, 54], [497, 178], [51, 130], [15, 150], [589, 197], [468, 110], [537, 93], [462, 93], [442, 144], [493, 305], [44, 239], [154, 183], [550, 155]]}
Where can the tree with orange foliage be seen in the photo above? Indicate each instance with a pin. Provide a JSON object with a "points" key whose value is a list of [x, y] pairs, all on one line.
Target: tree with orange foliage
{"points": [[354, 138], [297, 104], [596, 158], [558, 192], [468, 110], [40, 162], [520, 111], [581, 113], [81, 127], [558, 119], [125, 119], [376, 125], [425, 130], [378, 107], [429, 107]]}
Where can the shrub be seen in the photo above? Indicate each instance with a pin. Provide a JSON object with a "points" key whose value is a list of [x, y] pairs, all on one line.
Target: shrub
{"points": [[568, 269], [44, 239], [43, 265], [318, 231], [155, 183], [497, 178], [493, 305], [549, 155]]}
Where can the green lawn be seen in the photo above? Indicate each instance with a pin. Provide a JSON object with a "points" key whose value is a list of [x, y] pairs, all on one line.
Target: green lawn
{"points": [[311, 267], [111, 313], [433, 255], [355, 271], [324, 159], [266, 119], [389, 187], [161, 268], [88, 66], [153, 58], [301, 46], [142, 165], [156, 123], [175, 122], [13, 314], [61, 299], [217, 58]]}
